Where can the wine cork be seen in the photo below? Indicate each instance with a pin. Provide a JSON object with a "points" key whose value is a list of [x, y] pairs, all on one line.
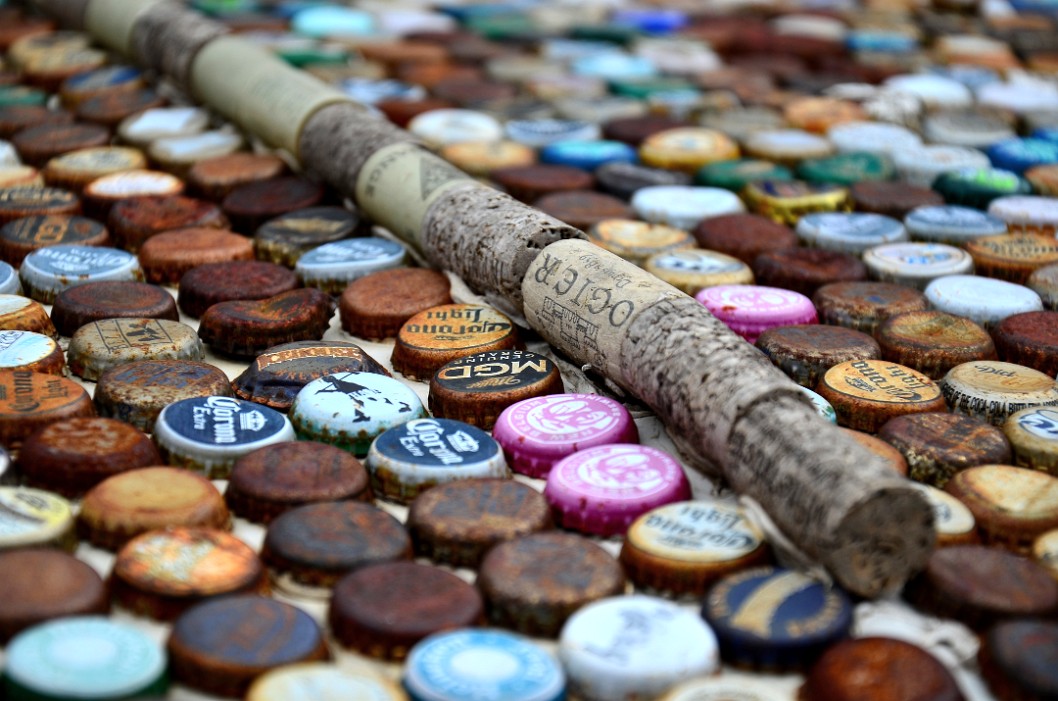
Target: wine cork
{"points": [[731, 411], [111, 22], [166, 37]]}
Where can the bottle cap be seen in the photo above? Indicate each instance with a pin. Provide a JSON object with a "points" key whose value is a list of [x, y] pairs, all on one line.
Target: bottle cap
{"points": [[332, 266], [984, 300], [1045, 551], [1029, 339], [439, 335], [383, 610], [110, 110], [669, 646], [1017, 658], [32, 517], [108, 80], [684, 207], [953, 522], [377, 305], [38, 145], [693, 269], [442, 127], [980, 586], [583, 209], [485, 664], [48, 271], [311, 547], [48, 661], [687, 148], [33, 200], [1033, 438], [935, 91], [892, 199], [161, 574], [149, 499], [806, 352], [921, 166], [952, 225], [104, 192], [77, 306], [872, 137], [350, 409], [537, 133], [683, 547], [147, 126], [735, 174], [32, 400], [75, 169], [20, 313], [458, 522], [721, 688], [786, 146], [993, 390], [1027, 214], [216, 647], [286, 238], [968, 128], [1043, 281], [995, 494], [21, 95], [534, 583], [73, 589], [21, 237], [774, 619], [787, 202], [165, 257], [819, 114], [867, 393], [916, 264], [977, 187], [933, 342], [133, 221], [530, 183], [208, 434], [623, 180], [749, 310], [537, 433], [20, 176], [635, 241], [744, 236], [15, 118], [587, 155], [250, 205], [1018, 155], [177, 154], [212, 283], [849, 232], [26, 350], [822, 406], [602, 490], [215, 177], [321, 681]]}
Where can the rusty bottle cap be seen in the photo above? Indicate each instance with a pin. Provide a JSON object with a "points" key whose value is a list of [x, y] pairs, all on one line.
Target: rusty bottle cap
{"points": [[161, 574], [215, 178], [1013, 506], [209, 284], [133, 221], [313, 546], [23, 314], [277, 478], [377, 305], [72, 456], [26, 350], [933, 342], [31, 400], [861, 669], [250, 205], [744, 236], [286, 238], [1012, 257], [993, 390], [76, 169], [1018, 659], [15, 118], [38, 145], [249, 327], [95, 301], [111, 110], [19, 202], [149, 499], [867, 393], [166, 256], [111, 80], [104, 192], [805, 270], [805, 352], [441, 334], [383, 610], [863, 306], [530, 183], [582, 209], [101, 345], [1029, 339], [21, 237], [636, 241]]}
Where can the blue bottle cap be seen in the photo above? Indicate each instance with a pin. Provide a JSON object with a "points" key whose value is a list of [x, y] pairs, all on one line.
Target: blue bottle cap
{"points": [[410, 458], [84, 657], [332, 21], [1018, 155], [209, 434], [543, 132], [350, 409], [48, 271], [332, 266], [9, 283], [614, 65], [108, 77], [587, 155], [651, 21], [1046, 134], [482, 665], [775, 619], [879, 41], [371, 92], [951, 224]]}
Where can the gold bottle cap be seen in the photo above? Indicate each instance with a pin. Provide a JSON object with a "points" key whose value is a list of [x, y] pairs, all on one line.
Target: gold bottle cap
{"points": [[694, 269], [75, 170], [687, 148], [635, 241], [867, 393], [785, 202], [993, 390]]}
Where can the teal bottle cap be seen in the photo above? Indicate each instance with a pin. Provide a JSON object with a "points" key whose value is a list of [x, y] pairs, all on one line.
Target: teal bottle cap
{"points": [[17, 95], [977, 187], [736, 174], [614, 66], [846, 168], [332, 21]]}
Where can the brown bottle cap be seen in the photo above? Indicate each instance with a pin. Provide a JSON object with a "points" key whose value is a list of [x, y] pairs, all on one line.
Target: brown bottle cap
{"points": [[276, 376], [250, 205], [110, 80], [530, 183], [1012, 505], [215, 178], [1029, 339], [149, 499], [32, 400], [993, 390], [533, 584], [1033, 435], [1012, 257], [133, 221], [585, 209], [472, 92], [95, 301], [249, 327], [313, 546], [40, 584], [400, 111], [21, 237], [383, 610], [806, 351], [442, 334], [377, 305], [980, 585], [680, 549], [284, 239], [891, 198], [73, 170], [867, 393], [166, 256], [938, 446], [72, 456], [864, 669], [99, 346], [744, 236], [161, 574], [103, 193], [1044, 282], [277, 478], [805, 270], [933, 342], [20, 27], [458, 522], [476, 388], [38, 145], [634, 130], [15, 118], [865, 305], [209, 284], [111, 109], [1019, 659], [19, 202], [24, 314], [819, 114], [136, 390], [220, 646], [891, 455]]}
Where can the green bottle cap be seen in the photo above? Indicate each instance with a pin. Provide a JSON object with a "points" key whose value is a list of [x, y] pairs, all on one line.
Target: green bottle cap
{"points": [[612, 33], [977, 187], [846, 168], [736, 174], [314, 56], [643, 88], [17, 95]]}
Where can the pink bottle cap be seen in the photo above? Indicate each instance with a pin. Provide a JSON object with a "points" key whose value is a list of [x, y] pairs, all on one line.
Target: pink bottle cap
{"points": [[536, 433], [750, 310], [602, 490]]}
